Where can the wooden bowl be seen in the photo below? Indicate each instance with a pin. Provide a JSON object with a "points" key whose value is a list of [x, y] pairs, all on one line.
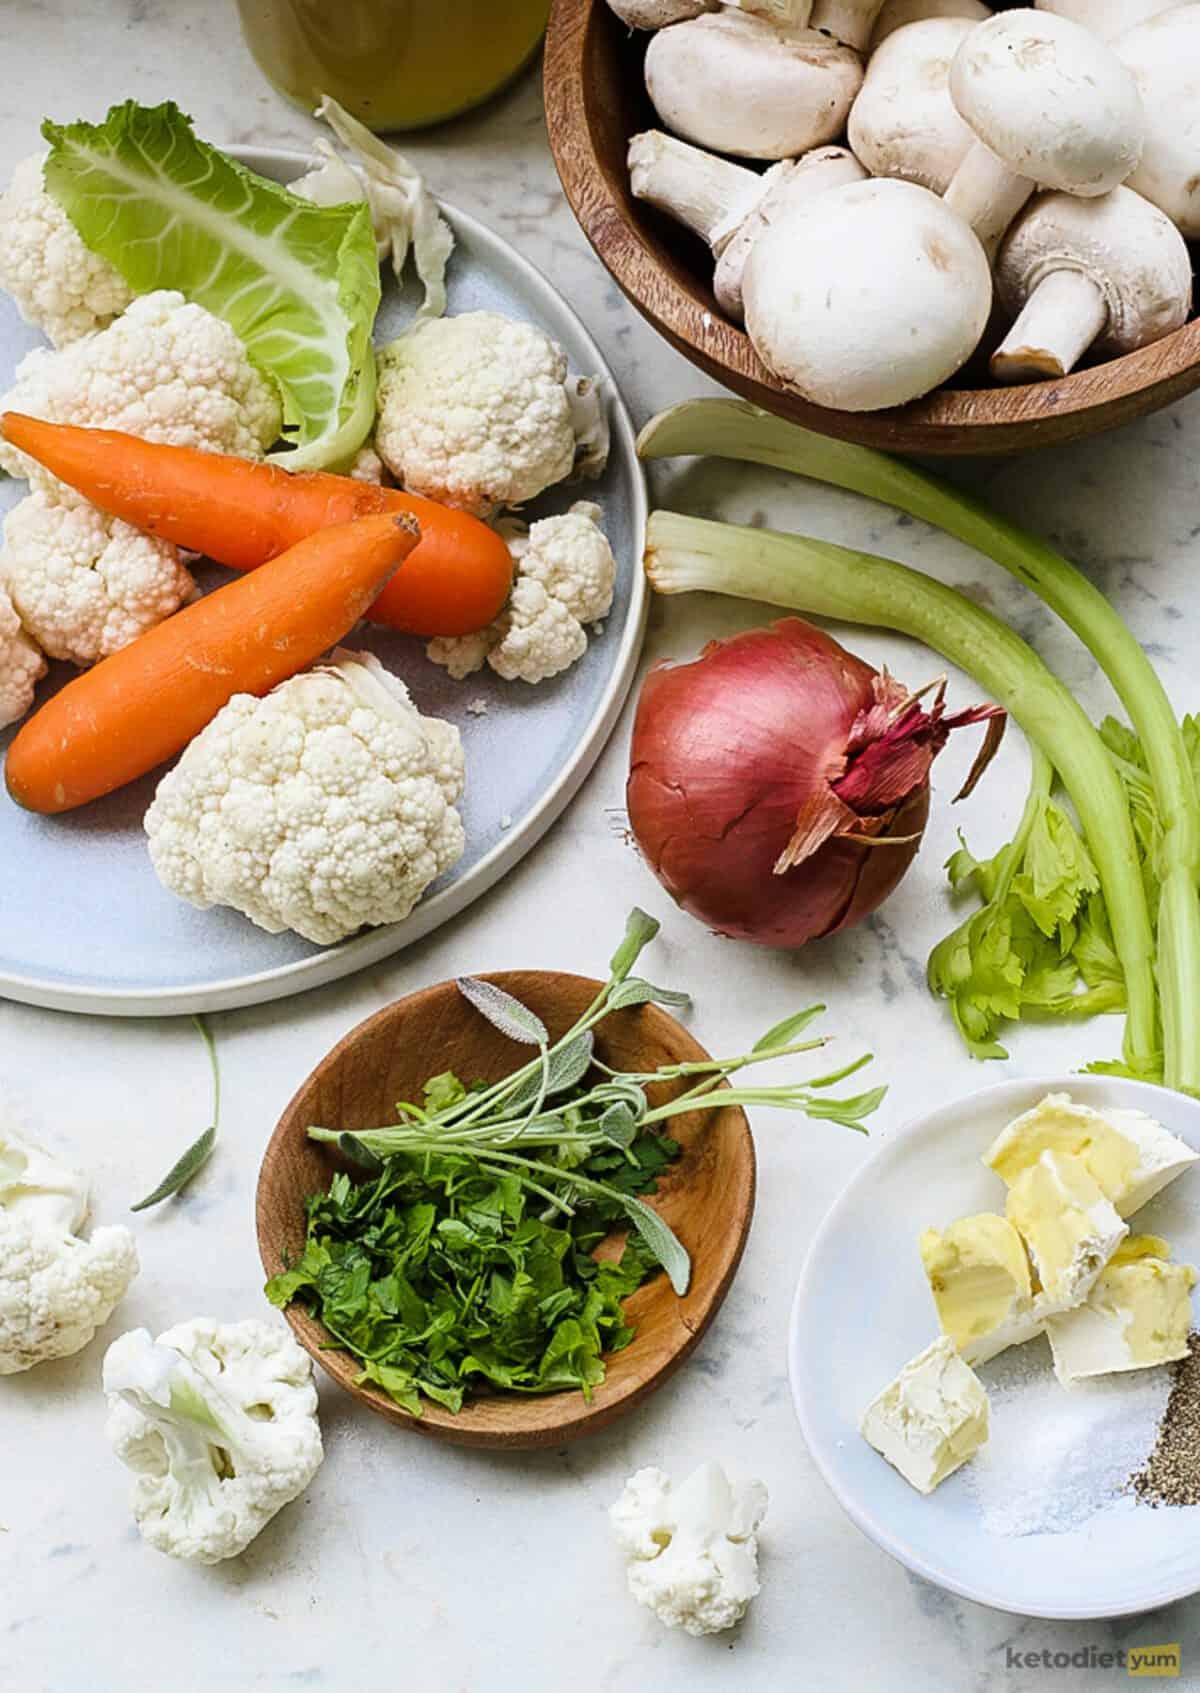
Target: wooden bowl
{"points": [[707, 1196], [596, 99]]}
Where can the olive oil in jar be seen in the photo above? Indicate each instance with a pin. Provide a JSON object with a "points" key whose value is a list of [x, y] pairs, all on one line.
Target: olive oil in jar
{"points": [[396, 64]]}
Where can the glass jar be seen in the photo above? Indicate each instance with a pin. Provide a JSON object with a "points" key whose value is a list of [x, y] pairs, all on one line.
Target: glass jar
{"points": [[396, 64]]}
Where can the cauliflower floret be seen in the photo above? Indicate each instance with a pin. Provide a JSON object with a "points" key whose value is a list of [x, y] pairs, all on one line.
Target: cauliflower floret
{"points": [[477, 411], [693, 1553], [22, 666], [59, 284], [166, 370], [55, 1289], [85, 584], [218, 1421], [565, 573], [366, 466], [326, 806]]}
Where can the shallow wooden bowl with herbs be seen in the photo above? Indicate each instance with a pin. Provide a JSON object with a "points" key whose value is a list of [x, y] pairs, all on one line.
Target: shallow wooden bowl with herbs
{"points": [[596, 100], [706, 1194]]}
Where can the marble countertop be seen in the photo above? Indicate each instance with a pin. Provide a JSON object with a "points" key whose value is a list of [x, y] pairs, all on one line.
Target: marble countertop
{"points": [[473, 1571]]}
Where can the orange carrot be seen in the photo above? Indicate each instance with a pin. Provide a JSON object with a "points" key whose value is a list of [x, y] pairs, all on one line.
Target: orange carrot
{"points": [[241, 513], [146, 702]]}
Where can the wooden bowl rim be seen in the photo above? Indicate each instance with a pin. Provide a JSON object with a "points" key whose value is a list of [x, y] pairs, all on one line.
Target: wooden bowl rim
{"points": [[947, 421], [536, 1420]]}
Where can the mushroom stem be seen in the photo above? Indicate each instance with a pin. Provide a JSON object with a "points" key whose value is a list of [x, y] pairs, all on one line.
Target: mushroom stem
{"points": [[710, 196], [1058, 323], [987, 194], [848, 21]]}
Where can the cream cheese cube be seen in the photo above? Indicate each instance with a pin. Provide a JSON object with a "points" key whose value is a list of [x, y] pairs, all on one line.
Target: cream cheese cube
{"points": [[1070, 1228], [1136, 1316], [931, 1419], [1129, 1155], [978, 1272]]}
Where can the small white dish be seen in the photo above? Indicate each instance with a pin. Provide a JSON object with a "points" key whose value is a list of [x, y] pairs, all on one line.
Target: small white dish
{"points": [[863, 1308]]}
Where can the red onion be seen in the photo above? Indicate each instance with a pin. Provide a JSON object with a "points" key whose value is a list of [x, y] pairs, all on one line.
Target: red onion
{"points": [[779, 786]]}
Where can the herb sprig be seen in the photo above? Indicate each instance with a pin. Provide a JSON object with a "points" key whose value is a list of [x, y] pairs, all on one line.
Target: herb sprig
{"points": [[466, 1249]]}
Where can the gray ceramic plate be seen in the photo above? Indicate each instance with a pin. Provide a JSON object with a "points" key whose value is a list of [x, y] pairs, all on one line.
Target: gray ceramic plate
{"points": [[84, 924]]}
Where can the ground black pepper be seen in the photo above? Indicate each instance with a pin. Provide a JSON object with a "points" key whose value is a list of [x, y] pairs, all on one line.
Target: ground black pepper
{"points": [[1171, 1475]]}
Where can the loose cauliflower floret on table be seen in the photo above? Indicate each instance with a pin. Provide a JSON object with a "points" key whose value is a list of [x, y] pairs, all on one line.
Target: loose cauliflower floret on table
{"points": [[85, 584], [326, 806], [166, 370], [692, 1550], [477, 411], [218, 1421], [59, 284], [22, 666], [56, 1290], [565, 574]]}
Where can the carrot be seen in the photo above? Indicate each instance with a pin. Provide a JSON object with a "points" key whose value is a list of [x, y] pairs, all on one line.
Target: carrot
{"points": [[145, 703], [241, 513]]}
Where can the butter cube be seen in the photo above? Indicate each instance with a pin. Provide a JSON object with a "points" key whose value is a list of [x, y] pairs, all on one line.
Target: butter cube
{"points": [[978, 1271], [1070, 1228], [1137, 1315], [931, 1419]]}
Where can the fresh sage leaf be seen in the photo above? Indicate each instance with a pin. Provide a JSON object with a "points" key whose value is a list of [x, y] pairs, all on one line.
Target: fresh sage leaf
{"points": [[359, 1154], [181, 1173], [568, 1065], [640, 930], [504, 1012], [618, 1124], [785, 1032], [634, 991], [663, 1243], [200, 1151]]}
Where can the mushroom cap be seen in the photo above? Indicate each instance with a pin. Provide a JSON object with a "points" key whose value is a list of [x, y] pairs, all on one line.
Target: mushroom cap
{"points": [[867, 296], [1163, 55], [1053, 102], [1131, 251], [657, 14], [1105, 18], [896, 13], [733, 83], [904, 122], [787, 184]]}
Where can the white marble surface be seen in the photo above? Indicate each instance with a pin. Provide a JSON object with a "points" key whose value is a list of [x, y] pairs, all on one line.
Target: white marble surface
{"points": [[470, 1571]]}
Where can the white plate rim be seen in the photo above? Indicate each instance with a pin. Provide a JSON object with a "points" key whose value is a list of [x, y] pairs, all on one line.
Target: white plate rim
{"points": [[348, 957], [869, 1524]]}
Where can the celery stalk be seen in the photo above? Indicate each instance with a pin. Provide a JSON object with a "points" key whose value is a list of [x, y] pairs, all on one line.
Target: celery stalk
{"points": [[734, 429], [685, 554]]}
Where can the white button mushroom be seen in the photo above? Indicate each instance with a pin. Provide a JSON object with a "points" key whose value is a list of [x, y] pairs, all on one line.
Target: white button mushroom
{"points": [[896, 13], [904, 122], [1051, 106], [734, 83], [1105, 18], [657, 14], [1164, 57], [848, 21], [728, 205], [797, 181], [891, 298], [1112, 272]]}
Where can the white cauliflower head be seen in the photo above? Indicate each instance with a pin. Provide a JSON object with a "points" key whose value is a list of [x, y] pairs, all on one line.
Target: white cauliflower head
{"points": [[477, 411], [692, 1551], [22, 665], [565, 574], [166, 370], [218, 1421], [56, 1290], [85, 584], [59, 284], [326, 806]]}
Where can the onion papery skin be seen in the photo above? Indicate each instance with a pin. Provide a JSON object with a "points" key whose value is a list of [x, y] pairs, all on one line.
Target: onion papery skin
{"points": [[728, 751]]}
